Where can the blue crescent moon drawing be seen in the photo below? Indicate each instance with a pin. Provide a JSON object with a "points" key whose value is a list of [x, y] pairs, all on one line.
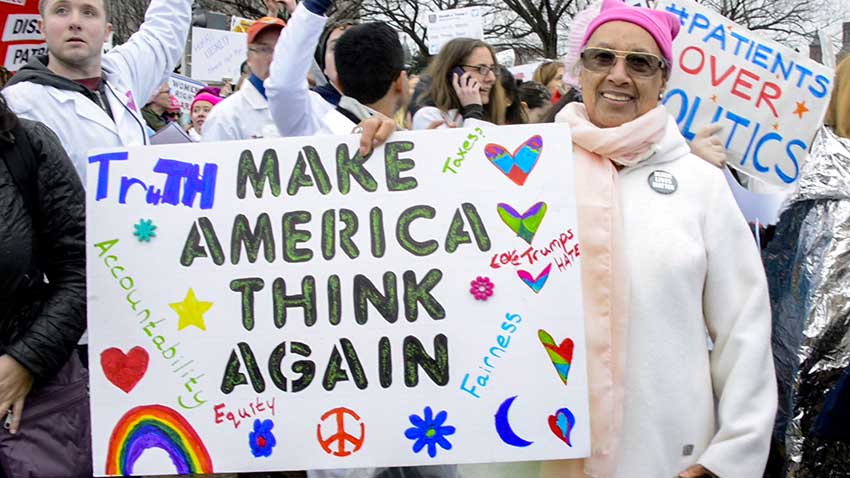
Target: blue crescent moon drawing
{"points": [[503, 426]]}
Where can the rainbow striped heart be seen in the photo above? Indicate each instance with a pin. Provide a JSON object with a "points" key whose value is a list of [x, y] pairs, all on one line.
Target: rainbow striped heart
{"points": [[519, 165], [561, 355]]}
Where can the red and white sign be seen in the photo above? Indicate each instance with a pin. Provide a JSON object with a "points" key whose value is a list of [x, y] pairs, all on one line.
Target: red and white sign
{"points": [[22, 39]]}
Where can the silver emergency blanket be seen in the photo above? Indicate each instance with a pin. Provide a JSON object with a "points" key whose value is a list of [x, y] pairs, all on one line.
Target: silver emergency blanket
{"points": [[808, 270]]}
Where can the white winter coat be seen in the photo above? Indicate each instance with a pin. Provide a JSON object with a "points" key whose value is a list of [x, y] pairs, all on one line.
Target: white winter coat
{"points": [[242, 115], [296, 110], [695, 274], [133, 72]]}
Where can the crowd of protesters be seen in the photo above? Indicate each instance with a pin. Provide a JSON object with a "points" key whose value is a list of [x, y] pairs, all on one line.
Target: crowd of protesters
{"points": [[663, 402]]}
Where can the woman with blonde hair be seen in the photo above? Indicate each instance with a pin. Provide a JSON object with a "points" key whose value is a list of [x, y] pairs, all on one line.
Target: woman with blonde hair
{"points": [[838, 114], [551, 75], [465, 87]]}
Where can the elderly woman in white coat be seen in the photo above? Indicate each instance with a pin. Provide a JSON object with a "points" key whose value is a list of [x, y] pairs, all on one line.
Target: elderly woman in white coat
{"points": [[677, 313]]}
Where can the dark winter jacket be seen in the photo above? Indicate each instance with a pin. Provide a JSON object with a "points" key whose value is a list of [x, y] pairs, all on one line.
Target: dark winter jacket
{"points": [[41, 319]]}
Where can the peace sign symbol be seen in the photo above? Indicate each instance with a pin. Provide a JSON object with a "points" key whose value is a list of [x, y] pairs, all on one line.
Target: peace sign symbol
{"points": [[341, 436]]}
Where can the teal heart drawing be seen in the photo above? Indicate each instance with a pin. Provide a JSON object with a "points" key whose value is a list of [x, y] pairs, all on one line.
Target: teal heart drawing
{"points": [[525, 225]]}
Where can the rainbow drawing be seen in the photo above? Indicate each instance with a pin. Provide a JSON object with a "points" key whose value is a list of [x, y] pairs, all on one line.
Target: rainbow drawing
{"points": [[156, 426]]}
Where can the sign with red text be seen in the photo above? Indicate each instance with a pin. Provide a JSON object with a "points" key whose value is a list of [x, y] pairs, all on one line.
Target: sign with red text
{"points": [[769, 99], [22, 39], [288, 304]]}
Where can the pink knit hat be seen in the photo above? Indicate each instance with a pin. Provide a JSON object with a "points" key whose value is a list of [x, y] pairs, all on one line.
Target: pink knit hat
{"points": [[212, 99], [661, 25]]}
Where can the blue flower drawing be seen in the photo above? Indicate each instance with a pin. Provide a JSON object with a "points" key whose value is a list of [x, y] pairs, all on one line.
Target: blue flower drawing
{"points": [[429, 430], [262, 439]]}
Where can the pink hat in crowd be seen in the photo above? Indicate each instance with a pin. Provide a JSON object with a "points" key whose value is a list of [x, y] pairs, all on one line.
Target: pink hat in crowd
{"points": [[661, 25], [212, 99], [574, 42]]}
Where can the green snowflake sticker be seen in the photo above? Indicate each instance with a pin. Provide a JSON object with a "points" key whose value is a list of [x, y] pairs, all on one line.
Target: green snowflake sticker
{"points": [[145, 230]]}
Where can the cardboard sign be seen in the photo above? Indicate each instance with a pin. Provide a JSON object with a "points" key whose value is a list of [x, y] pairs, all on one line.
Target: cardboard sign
{"points": [[22, 38], [444, 26], [770, 99], [184, 89], [217, 54], [287, 305]]}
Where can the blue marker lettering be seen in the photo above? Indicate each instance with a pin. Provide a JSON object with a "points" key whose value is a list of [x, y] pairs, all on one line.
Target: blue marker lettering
{"points": [[768, 137], [804, 72], [103, 171], [784, 177], [761, 54], [737, 120], [470, 391], [824, 86], [699, 21], [741, 39], [719, 34], [126, 183]]}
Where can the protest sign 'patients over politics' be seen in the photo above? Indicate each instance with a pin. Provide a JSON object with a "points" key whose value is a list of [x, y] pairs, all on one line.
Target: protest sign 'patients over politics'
{"points": [[769, 99]]}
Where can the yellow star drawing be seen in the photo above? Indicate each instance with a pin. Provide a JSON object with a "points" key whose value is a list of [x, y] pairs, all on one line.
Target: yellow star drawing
{"points": [[191, 311], [714, 98], [801, 109], [776, 126]]}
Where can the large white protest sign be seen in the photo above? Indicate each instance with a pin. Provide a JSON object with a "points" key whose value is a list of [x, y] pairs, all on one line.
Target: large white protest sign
{"points": [[217, 54], [285, 304], [447, 25], [184, 89], [769, 99]]}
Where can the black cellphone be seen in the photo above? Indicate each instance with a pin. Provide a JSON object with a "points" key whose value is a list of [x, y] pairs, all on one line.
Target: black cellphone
{"points": [[456, 71]]}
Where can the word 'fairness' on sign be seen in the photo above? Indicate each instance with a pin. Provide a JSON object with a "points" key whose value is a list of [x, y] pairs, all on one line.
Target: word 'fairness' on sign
{"points": [[503, 341]]}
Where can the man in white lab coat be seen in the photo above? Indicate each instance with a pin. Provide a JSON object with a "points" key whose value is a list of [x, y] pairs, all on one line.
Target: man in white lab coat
{"points": [[88, 98]]}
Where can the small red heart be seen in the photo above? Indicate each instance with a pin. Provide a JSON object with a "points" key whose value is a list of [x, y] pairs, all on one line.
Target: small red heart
{"points": [[124, 370], [553, 425]]}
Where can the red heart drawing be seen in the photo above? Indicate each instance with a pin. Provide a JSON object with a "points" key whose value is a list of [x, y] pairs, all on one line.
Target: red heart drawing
{"points": [[124, 370]]}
